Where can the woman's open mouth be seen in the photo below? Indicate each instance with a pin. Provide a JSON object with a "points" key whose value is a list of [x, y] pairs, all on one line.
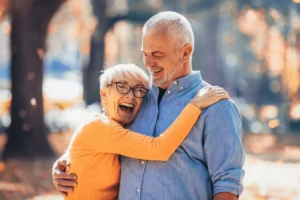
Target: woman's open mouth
{"points": [[126, 107]]}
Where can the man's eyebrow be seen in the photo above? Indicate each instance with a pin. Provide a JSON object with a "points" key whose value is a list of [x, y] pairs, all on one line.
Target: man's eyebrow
{"points": [[140, 85]]}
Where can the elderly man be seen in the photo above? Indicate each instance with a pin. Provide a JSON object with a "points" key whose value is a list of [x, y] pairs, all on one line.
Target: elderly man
{"points": [[208, 164]]}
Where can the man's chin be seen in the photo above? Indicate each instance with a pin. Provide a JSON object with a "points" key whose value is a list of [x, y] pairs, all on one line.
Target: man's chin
{"points": [[161, 83]]}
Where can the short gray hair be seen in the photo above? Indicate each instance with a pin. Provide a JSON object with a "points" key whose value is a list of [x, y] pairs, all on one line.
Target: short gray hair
{"points": [[176, 24], [122, 70]]}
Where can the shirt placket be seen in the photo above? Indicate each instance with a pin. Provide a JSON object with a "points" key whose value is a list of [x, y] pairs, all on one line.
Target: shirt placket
{"points": [[143, 163]]}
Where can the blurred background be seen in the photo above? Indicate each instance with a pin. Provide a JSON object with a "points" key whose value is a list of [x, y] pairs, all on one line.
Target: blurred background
{"points": [[52, 52]]}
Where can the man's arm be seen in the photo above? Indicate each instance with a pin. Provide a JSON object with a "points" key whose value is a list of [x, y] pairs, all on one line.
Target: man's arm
{"points": [[63, 181], [224, 151], [225, 196]]}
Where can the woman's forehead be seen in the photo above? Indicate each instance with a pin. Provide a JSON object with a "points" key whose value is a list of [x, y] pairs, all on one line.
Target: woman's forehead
{"points": [[131, 80]]}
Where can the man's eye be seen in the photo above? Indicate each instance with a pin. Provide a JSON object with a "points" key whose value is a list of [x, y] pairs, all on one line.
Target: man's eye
{"points": [[158, 55]]}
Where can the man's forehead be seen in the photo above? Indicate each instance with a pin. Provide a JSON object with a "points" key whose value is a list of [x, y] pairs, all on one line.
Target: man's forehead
{"points": [[155, 34], [154, 42]]}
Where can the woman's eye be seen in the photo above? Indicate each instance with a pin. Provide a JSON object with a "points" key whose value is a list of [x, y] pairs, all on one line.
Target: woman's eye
{"points": [[141, 90], [121, 86]]}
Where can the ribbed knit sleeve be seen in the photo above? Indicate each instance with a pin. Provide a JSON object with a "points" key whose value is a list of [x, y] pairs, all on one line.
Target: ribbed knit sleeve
{"points": [[107, 136]]}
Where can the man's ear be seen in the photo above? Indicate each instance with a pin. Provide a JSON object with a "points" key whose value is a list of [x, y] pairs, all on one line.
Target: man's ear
{"points": [[186, 52]]}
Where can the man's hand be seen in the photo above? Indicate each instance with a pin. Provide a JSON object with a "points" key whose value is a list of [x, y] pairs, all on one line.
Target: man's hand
{"points": [[225, 196], [63, 181]]}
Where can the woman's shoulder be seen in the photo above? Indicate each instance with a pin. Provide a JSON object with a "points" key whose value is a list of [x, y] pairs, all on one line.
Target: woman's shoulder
{"points": [[100, 120]]}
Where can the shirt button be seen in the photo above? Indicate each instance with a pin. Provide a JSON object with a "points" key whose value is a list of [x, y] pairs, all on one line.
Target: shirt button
{"points": [[138, 190], [169, 91], [142, 162], [181, 88], [175, 82]]}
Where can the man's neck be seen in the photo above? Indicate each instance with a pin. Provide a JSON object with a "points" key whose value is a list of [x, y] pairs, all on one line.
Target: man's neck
{"points": [[186, 73], [161, 94], [175, 78]]}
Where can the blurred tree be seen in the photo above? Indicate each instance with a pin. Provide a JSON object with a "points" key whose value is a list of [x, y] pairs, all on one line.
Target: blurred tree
{"points": [[212, 68], [96, 62], [3, 8], [26, 133], [106, 20]]}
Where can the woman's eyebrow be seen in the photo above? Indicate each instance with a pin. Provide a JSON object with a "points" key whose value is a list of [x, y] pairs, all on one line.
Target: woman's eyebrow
{"points": [[140, 85]]}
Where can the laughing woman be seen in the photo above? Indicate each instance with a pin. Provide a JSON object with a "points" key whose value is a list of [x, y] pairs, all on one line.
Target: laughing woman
{"points": [[95, 147]]}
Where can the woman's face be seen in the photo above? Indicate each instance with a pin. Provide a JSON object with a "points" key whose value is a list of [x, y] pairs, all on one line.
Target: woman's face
{"points": [[122, 107]]}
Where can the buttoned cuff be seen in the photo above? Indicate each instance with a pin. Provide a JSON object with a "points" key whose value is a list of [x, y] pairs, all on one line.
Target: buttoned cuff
{"points": [[223, 186]]}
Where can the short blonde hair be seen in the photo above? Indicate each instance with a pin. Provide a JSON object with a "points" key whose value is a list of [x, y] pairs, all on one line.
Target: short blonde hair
{"points": [[122, 70]]}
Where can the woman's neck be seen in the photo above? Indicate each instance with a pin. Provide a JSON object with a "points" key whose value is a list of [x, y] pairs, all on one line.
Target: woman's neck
{"points": [[107, 115]]}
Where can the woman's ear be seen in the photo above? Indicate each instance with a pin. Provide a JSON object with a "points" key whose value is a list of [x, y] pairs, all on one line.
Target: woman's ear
{"points": [[186, 52], [103, 95]]}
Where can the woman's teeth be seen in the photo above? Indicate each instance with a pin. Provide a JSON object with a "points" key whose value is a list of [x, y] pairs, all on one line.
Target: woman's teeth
{"points": [[127, 105]]}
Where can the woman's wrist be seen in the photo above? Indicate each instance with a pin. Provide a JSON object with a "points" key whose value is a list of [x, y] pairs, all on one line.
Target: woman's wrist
{"points": [[197, 104]]}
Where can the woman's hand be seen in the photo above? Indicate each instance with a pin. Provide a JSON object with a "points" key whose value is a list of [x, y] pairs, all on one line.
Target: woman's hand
{"points": [[208, 96]]}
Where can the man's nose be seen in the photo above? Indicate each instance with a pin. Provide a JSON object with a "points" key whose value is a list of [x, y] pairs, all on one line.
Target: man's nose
{"points": [[148, 61]]}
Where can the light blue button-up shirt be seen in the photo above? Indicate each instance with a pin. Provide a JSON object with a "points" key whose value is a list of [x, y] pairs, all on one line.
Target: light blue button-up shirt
{"points": [[208, 161]]}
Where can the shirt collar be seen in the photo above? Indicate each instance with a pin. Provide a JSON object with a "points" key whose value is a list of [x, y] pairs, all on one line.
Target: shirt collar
{"points": [[182, 83], [185, 82]]}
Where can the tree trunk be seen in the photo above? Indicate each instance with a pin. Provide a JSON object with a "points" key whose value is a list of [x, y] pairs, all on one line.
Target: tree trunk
{"points": [[92, 71], [27, 134], [96, 63], [212, 69]]}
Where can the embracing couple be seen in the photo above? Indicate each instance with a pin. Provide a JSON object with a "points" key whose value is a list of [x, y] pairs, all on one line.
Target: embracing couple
{"points": [[180, 139]]}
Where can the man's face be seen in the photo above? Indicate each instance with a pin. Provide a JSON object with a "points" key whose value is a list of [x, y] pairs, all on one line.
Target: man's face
{"points": [[161, 58]]}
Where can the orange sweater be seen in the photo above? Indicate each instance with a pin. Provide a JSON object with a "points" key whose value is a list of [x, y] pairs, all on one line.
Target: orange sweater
{"points": [[94, 152]]}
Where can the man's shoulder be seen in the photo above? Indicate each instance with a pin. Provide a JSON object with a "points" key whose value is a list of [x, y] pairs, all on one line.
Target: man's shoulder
{"points": [[222, 108]]}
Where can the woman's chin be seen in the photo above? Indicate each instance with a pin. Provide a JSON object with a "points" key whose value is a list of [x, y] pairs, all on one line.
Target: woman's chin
{"points": [[125, 117], [124, 120]]}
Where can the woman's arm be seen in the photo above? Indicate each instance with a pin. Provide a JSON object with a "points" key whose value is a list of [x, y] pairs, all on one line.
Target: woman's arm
{"points": [[107, 136]]}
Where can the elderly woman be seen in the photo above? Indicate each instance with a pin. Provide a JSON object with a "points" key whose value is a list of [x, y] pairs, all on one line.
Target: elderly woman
{"points": [[95, 147]]}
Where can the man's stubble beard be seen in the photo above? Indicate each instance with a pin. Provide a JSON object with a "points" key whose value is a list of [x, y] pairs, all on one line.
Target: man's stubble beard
{"points": [[168, 77]]}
